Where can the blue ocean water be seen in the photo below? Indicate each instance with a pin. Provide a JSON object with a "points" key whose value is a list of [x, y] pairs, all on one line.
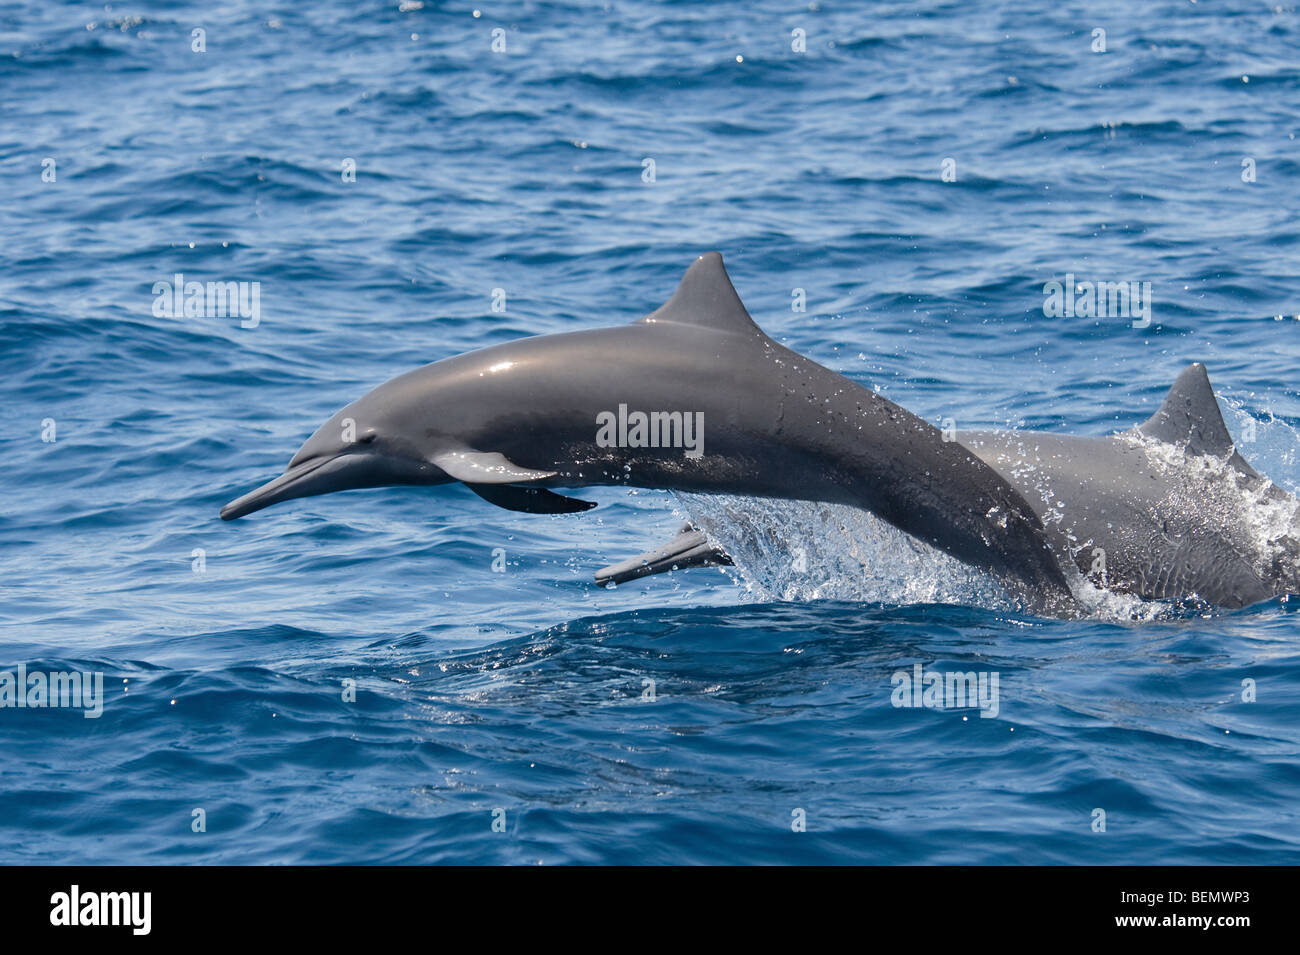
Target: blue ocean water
{"points": [[698, 718]]}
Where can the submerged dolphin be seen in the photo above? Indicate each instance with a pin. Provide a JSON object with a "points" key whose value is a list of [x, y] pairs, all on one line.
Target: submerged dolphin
{"points": [[695, 397]]}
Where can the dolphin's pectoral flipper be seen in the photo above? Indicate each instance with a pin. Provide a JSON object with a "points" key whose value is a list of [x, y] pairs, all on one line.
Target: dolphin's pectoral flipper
{"points": [[690, 548], [486, 467], [531, 500], [492, 476]]}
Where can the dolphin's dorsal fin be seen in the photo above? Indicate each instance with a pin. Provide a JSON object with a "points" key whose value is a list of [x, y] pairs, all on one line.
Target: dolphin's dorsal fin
{"points": [[707, 299], [1189, 417]]}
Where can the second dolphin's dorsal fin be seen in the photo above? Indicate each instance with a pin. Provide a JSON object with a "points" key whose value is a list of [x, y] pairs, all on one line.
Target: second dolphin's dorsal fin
{"points": [[1189, 417], [707, 299]]}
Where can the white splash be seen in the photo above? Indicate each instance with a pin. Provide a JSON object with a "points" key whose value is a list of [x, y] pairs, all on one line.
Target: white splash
{"points": [[802, 550]]}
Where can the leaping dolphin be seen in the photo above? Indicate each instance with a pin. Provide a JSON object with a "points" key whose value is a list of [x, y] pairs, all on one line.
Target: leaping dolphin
{"points": [[695, 397]]}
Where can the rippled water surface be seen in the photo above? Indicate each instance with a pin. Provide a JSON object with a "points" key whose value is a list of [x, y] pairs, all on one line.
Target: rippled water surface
{"points": [[692, 718]]}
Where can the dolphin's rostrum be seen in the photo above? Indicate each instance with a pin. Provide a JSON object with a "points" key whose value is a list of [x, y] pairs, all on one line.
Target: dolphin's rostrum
{"points": [[515, 420]]}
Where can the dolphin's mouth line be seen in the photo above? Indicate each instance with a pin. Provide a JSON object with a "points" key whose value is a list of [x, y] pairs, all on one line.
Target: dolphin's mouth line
{"points": [[273, 490]]}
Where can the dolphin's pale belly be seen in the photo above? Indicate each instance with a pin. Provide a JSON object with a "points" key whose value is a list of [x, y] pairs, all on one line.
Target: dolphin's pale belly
{"points": [[1136, 516]]}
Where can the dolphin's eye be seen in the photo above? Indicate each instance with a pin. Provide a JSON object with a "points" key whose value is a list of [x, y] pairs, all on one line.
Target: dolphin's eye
{"points": [[367, 438]]}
